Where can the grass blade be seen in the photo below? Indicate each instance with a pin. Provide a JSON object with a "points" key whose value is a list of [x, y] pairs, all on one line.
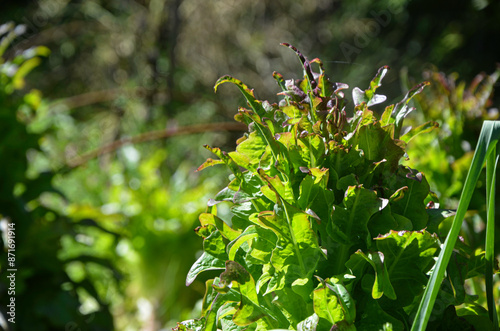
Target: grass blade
{"points": [[490, 134], [491, 166]]}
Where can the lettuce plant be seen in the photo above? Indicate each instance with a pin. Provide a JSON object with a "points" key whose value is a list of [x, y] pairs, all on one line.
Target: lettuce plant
{"points": [[327, 230]]}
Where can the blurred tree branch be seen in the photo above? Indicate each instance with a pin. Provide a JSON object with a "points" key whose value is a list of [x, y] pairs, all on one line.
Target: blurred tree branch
{"points": [[153, 135], [94, 97]]}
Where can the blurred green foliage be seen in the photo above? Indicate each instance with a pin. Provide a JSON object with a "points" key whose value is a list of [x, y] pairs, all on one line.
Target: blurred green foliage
{"points": [[45, 297], [119, 68], [445, 155], [459, 109]]}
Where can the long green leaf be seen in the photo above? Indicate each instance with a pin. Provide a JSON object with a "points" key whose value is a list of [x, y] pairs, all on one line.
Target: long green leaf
{"points": [[491, 167], [488, 138], [245, 90]]}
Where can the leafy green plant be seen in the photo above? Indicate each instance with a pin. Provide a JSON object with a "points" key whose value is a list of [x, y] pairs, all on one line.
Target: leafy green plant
{"points": [[327, 230]]}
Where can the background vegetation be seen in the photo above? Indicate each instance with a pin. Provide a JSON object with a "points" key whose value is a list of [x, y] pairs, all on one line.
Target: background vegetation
{"points": [[106, 227]]}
